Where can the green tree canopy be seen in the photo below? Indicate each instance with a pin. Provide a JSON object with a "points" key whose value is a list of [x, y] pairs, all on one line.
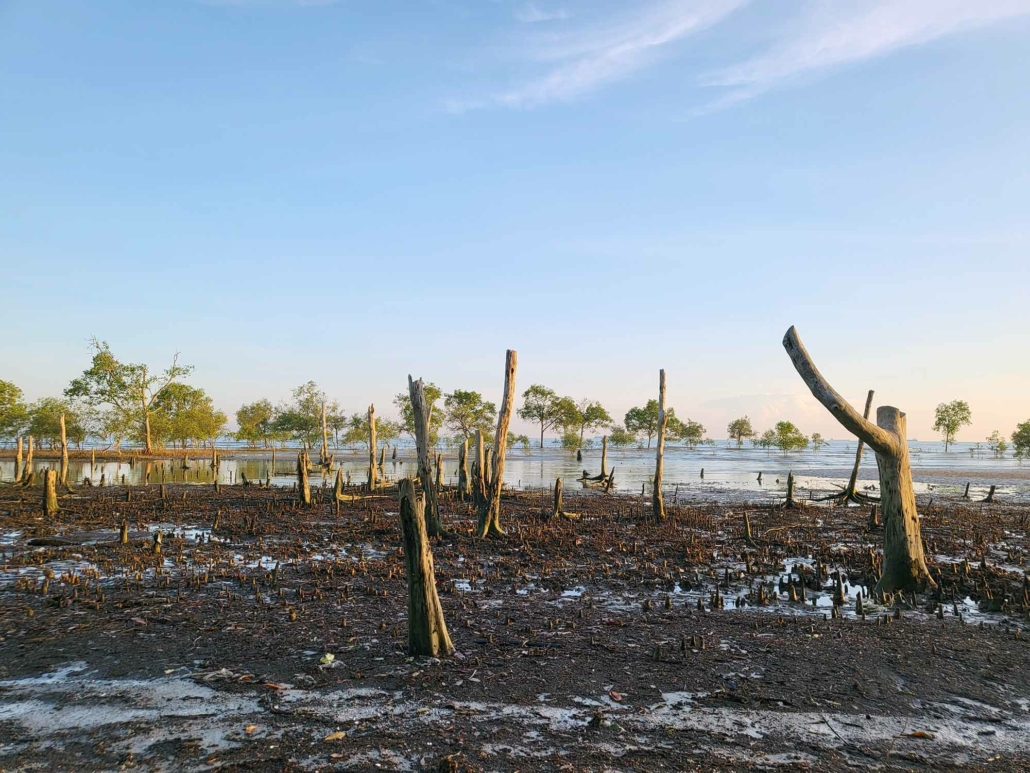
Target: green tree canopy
{"points": [[128, 390], [432, 394], [740, 430], [645, 420], [256, 422], [690, 432], [545, 407], [1021, 440], [14, 414], [45, 422], [587, 415], [817, 441], [302, 419], [467, 412], [185, 414], [949, 418], [620, 437], [789, 437]]}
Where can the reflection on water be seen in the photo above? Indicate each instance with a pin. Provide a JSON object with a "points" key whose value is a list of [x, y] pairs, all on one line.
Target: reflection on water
{"points": [[727, 472]]}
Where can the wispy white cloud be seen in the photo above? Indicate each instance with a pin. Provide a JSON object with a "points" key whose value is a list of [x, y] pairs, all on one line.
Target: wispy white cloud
{"points": [[586, 59], [838, 32], [531, 13]]}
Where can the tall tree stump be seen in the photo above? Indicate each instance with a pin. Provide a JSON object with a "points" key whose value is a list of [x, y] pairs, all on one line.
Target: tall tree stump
{"points": [[657, 501], [18, 459], [464, 487], [479, 473], [303, 486], [490, 510], [427, 630], [904, 564], [604, 456], [50, 493], [373, 472], [64, 454], [420, 413]]}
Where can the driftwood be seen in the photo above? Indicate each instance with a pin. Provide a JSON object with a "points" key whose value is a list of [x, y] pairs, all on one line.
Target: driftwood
{"points": [[657, 502], [427, 629], [904, 564], [490, 510]]}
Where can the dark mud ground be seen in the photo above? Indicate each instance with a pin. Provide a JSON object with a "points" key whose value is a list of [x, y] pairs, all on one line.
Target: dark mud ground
{"points": [[594, 644]]}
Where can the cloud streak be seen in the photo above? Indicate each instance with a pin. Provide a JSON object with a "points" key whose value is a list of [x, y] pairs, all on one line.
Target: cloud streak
{"points": [[851, 31], [531, 13], [585, 60]]}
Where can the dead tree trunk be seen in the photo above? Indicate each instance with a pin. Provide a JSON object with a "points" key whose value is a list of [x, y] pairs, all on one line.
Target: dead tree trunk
{"points": [[439, 476], [28, 458], [420, 417], [851, 493], [464, 489], [18, 460], [604, 456], [490, 511], [790, 503], [64, 454], [373, 472], [657, 502], [303, 487], [49, 493], [427, 630], [325, 461], [479, 473], [904, 565]]}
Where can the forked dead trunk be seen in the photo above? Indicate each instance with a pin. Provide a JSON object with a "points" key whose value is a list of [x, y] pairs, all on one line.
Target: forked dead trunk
{"points": [[904, 564], [490, 511]]}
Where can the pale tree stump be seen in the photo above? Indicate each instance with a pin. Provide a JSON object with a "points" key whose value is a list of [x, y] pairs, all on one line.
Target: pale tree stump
{"points": [[490, 510], [50, 493], [18, 459], [904, 564], [427, 629], [657, 502], [64, 454], [604, 456]]}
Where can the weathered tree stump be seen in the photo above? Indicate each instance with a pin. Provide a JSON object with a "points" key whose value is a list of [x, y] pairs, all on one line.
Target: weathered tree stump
{"points": [[420, 417], [64, 455], [657, 502], [990, 495], [604, 455], [427, 629], [559, 510], [18, 459], [50, 493], [464, 486], [904, 564], [373, 472], [303, 486], [790, 503], [490, 511]]}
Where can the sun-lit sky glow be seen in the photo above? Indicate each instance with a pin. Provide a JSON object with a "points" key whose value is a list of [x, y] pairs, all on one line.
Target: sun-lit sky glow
{"points": [[354, 191]]}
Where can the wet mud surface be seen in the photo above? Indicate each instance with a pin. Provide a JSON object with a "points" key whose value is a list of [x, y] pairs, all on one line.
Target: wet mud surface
{"points": [[267, 636]]}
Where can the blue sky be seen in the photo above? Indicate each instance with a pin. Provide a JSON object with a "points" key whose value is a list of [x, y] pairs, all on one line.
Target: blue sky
{"points": [[352, 191]]}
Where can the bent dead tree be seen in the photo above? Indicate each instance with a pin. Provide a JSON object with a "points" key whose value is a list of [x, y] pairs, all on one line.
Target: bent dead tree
{"points": [[420, 418], [427, 630], [490, 510], [904, 564], [657, 502]]}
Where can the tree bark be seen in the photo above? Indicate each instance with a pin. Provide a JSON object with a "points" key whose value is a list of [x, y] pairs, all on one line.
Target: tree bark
{"points": [[604, 455], [149, 448], [50, 493], [18, 460], [464, 489], [904, 564], [28, 458], [64, 454], [439, 476], [479, 473], [657, 502], [427, 629], [303, 487], [490, 512], [420, 417], [373, 472]]}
